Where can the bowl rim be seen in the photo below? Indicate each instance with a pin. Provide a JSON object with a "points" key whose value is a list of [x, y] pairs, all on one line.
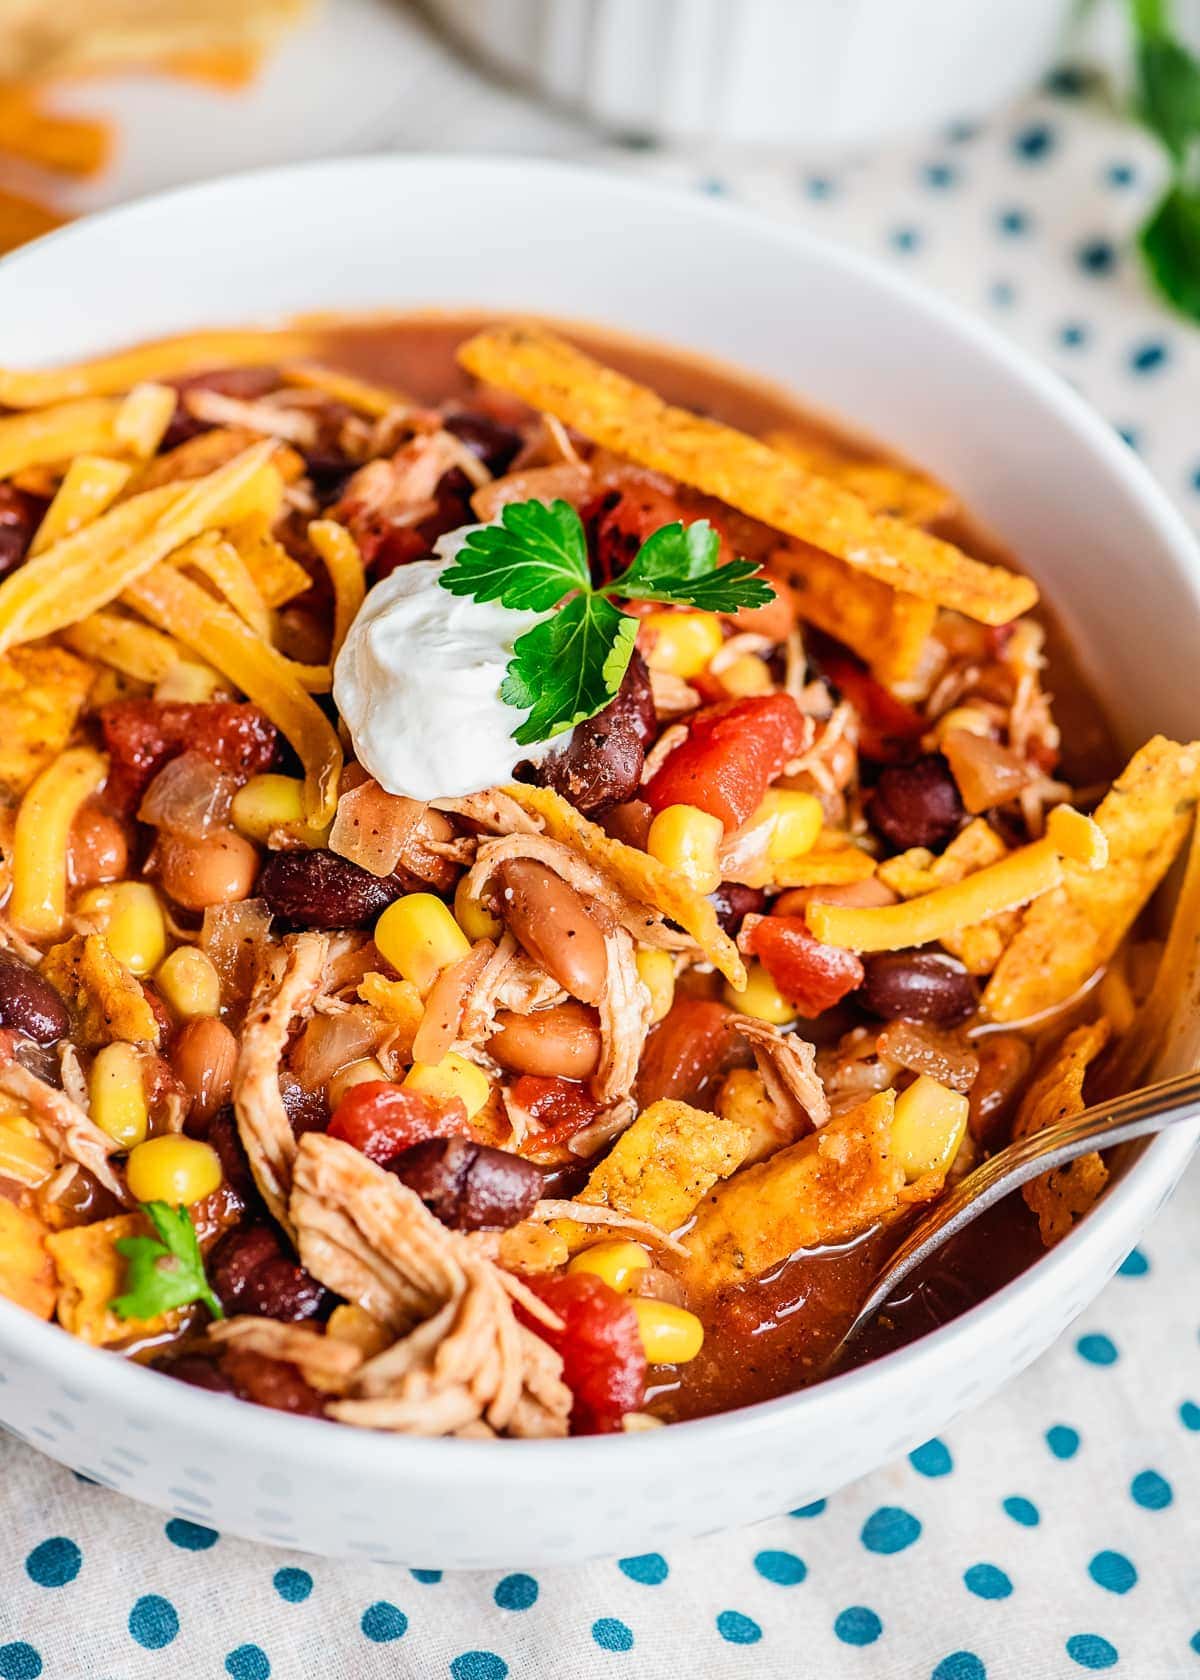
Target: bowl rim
{"points": [[157, 1398]]}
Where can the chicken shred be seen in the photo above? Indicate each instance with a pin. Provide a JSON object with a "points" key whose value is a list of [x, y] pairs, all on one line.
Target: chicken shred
{"points": [[788, 1065], [62, 1122]]}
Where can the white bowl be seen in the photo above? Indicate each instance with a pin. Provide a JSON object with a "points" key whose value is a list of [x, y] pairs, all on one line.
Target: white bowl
{"points": [[854, 341]]}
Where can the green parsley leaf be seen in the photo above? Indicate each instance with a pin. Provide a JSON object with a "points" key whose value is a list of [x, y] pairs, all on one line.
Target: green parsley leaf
{"points": [[166, 1273], [676, 564], [535, 556], [1170, 243], [569, 667]]}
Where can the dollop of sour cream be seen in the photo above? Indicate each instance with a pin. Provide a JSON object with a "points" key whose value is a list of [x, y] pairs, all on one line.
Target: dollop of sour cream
{"points": [[417, 683]]}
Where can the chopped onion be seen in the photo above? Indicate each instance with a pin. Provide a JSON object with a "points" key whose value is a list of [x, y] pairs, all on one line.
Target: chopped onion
{"points": [[923, 1049], [987, 773], [232, 937], [330, 1042], [382, 832], [188, 798]]}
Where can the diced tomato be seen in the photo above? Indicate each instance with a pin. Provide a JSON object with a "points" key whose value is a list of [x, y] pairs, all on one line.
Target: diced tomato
{"points": [[887, 727], [620, 520], [141, 735], [560, 1107], [604, 1363], [383, 1120], [731, 755], [811, 975], [686, 1051]]}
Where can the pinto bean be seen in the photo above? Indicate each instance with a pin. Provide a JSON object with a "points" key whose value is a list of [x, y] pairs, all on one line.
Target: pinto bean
{"points": [[918, 986], [29, 1002], [601, 766], [219, 869], [551, 921], [916, 804], [320, 889], [562, 1042], [733, 903], [203, 1057], [98, 849], [468, 1185]]}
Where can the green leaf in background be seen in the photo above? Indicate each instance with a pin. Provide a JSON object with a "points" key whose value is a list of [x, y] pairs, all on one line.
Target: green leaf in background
{"points": [[1169, 92], [1167, 101], [1170, 243]]}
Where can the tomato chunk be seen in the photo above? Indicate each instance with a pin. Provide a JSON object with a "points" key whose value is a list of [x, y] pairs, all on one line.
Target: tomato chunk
{"points": [[731, 755], [811, 975], [559, 1107], [383, 1120], [620, 520], [141, 735], [604, 1363], [888, 728], [688, 1048]]}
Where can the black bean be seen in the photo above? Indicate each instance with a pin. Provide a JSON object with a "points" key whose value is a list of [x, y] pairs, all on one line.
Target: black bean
{"points": [[490, 441], [320, 889], [602, 764], [916, 804], [733, 903], [29, 1002], [251, 1273], [468, 1185], [918, 986]]}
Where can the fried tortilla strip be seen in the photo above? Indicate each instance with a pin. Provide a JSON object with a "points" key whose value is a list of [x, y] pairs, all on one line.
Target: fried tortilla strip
{"points": [[26, 1269], [743, 471], [886, 627], [885, 486], [167, 358], [42, 690], [57, 434], [23, 219], [68, 145], [62, 1123], [669, 1158], [198, 456], [827, 1188], [91, 1274], [1061, 1197], [106, 1001], [918, 871], [1065, 936]]}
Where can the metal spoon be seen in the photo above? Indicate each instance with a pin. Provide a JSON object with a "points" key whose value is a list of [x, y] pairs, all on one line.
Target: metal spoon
{"points": [[1169, 1102]]}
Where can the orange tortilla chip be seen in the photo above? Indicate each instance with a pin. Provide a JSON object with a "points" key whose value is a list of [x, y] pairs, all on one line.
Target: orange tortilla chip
{"points": [[41, 692], [644, 878], [106, 1001], [1070, 932], [827, 865], [886, 627], [23, 219], [91, 1273], [71, 145], [26, 1270], [1061, 1197], [743, 471], [165, 358], [885, 486], [918, 871]]}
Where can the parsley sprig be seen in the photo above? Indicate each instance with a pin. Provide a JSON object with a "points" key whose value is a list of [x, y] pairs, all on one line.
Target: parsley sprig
{"points": [[1168, 104], [164, 1273], [568, 667]]}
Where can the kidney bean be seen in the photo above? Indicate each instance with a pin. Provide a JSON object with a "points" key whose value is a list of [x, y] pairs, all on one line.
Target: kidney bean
{"points": [[251, 1273], [320, 889], [918, 986], [468, 1185], [271, 1382], [601, 766], [686, 1051], [1004, 1060], [916, 804], [562, 1042], [733, 903], [20, 516], [307, 1111], [29, 1002], [490, 441], [198, 1370], [551, 921]]}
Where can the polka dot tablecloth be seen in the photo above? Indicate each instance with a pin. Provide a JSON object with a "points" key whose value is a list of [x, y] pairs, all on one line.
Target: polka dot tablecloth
{"points": [[1054, 1532]]}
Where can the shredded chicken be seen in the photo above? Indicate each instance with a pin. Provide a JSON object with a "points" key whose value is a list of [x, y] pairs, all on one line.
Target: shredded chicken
{"points": [[671, 694], [62, 1122], [216, 409], [511, 980], [263, 1124], [495, 811], [607, 1218], [399, 490], [325, 1362], [624, 1020], [566, 481], [788, 1065]]}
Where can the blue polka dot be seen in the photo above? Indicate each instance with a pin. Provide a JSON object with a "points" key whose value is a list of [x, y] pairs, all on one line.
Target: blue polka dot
{"points": [[858, 1626], [153, 1622], [986, 1581], [54, 1562], [1033, 144], [714, 186], [939, 176], [382, 1622], [293, 1585], [820, 187], [785, 1569], [612, 1635], [905, 238], [427, 1577], [737, 1629], [1069, 81], [1113, 1571], [1097, 1349], [1148, 357], [1002, 294], [1062, 1440], [1073, 335], [1096, 256], [813, 1510], [1022, 1511], [1128, 435], [1120, 175], [516, 1592], [248, 1662], [1189, 1415], [19, 1661], [1151, 1491], [478, 1665], [1090, 1651], [889, 1529], [1194, 1642], [960, 1665], [190, 1536], [1135, 1264], [932, 1459], [648, 1570], [1012, 221]]}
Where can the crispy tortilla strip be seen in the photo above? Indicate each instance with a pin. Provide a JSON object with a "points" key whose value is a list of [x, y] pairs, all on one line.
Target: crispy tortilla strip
{"points": [[1071, 932], [669, 1158], [740, 470], [23, 219], [399, 1002], [834, 861], [106, 1001], [57, 434], [1061, 1197], [885, 626], [278, 577], [637, 874], [42, 690], [167, 358], [126, 644], [375, 400], [26, 1269], [69, 145], [885, 486], [919, 871], [89, 487], [201, 455], [91, 1273]]}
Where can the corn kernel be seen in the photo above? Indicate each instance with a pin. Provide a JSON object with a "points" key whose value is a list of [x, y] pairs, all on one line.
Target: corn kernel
{"points": [[616, 1263], [746, 675], [794, 823], [928, 1127], [419, 937], [188, 680], [117, 1091], [270, 804], [682, 643], [1077, 837], [472, 918], [132, 920], [761, 998], [453, 1076], [361, 1072], [687, 841], [532, 1247], [656, 970], [670, 1335], [174, 1169], [189, 983], [350, 1323]]}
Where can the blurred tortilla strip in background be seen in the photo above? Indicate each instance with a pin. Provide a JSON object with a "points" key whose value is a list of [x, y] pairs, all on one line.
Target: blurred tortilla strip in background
{"points": [[40, 38]]}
